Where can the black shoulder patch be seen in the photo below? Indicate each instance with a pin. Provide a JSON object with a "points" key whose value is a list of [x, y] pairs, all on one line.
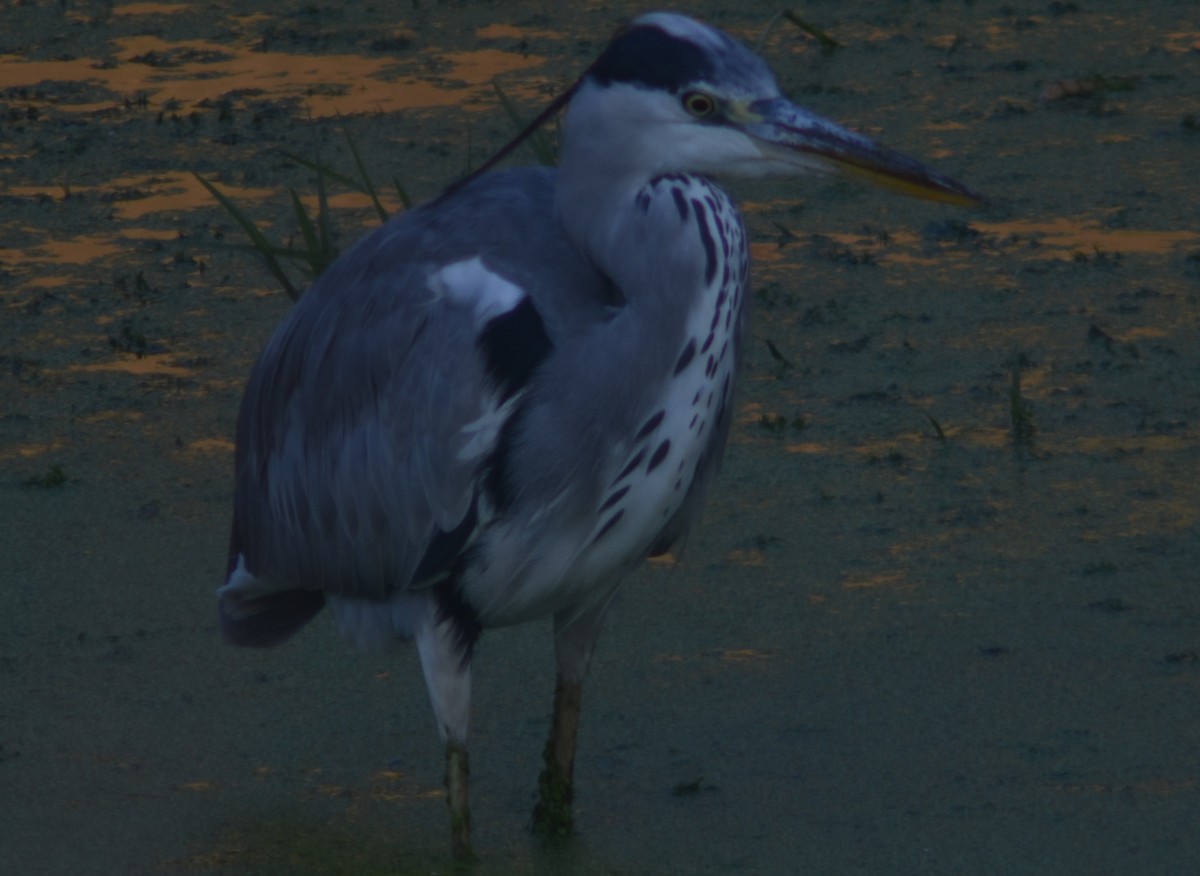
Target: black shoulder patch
{"points": [[513, 345], [445, 549], [442, 565], [452, 606], [613, 296], [652, 58]]}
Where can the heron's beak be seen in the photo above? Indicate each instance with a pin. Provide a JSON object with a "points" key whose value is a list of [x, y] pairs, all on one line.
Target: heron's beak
{"points": [[794, 136]]}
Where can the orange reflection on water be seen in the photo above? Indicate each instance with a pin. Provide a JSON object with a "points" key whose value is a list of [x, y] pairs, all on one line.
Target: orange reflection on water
{"points": [[73, 250], [46, 282], [765, 252], [29, 451], [1152, 787], [498, 31], [211, 445], [1107, 445], [946, 126], [508, 31], [752, 557], [109, 416], [194, 71], [133, 197], [1184, 42], [1059, 238], [1002, 37], [149, 234], [872, 581], [354, 201], [744, 655], [809, 448], [1081, 235], [150, 8], [156, 364]]}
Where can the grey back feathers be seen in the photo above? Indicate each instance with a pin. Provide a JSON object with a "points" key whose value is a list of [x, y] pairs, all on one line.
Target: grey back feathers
{"points": [[352, 425]]}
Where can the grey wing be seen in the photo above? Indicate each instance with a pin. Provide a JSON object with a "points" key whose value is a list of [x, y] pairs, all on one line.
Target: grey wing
{"points": [[367, 424]]}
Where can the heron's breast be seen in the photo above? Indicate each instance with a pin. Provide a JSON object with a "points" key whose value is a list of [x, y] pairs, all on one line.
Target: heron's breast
{"points": [[675, 440], [559, 559]]}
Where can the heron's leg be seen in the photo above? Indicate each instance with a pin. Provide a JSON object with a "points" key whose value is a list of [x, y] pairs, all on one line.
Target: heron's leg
{"points": [[574, 639], [446, 664], [457, 773], [552, 815]]}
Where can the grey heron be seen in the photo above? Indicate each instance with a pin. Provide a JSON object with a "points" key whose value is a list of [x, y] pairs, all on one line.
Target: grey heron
{"points": [[494, 406]]}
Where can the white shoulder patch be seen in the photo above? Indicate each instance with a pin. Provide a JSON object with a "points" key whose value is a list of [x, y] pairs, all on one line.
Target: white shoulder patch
{"points": [[469, 283]]}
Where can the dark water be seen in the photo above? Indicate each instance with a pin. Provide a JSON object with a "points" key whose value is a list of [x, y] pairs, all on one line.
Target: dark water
{"points": [[906, 639]]}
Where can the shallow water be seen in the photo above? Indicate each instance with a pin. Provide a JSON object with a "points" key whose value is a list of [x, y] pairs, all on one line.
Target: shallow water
{"points": [[903, 640]]}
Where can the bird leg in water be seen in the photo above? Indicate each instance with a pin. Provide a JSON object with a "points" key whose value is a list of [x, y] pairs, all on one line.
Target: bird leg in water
{"points": [[575, 635], [552, 816], [457, 774]]}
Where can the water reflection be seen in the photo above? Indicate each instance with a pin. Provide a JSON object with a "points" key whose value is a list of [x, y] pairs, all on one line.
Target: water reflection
{"points": [[132, 9], [175, 76], [1066, 235], [149, 364], [1064, 238], [194, 71], [77, 250]]}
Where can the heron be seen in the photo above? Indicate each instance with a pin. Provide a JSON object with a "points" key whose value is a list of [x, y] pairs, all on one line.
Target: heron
{"points": [[494, 406]]}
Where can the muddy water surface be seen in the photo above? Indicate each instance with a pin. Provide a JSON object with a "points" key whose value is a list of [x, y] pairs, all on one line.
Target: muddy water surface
{"points": [[942, 615]]}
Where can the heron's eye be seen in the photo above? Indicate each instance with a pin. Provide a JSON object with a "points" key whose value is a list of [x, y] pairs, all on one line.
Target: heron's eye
{"points": [[699, 104]]}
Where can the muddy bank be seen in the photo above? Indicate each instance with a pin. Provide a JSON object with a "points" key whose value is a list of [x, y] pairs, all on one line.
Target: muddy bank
{"points": [[909, 637]]}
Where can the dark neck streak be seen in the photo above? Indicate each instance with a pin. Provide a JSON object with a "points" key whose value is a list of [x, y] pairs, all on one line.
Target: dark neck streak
{"points": [[648, 240]]}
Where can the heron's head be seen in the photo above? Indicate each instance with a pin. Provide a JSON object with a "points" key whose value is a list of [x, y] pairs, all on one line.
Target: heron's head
{"points": [[670, 94]]}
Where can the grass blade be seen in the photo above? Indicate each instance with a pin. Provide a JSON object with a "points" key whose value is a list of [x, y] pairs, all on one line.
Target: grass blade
{"points": [[323, 169], [284, 252], [537, 140], [937, 427], [363, 186], [826, 42], [403, 195], [1023, 428], [261, 246], [327, 250], [312, 246], [368, 186]]}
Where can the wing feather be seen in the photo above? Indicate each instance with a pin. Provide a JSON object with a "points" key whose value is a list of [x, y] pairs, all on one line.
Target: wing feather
{"points": [[373, 414], [355, 439]]}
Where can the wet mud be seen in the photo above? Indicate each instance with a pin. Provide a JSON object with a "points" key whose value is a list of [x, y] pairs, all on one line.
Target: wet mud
{"points": [[941, 616]]}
